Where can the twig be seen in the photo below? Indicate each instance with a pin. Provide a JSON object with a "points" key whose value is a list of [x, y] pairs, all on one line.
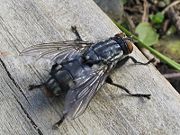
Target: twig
{"points": [[150, 56], [131, 23], [165, 26], [172, 75], [146, 11], [171, 5]]}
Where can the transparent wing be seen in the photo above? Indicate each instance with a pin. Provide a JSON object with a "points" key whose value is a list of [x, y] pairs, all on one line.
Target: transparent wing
{"points": [[54, 50], [78, 98]]}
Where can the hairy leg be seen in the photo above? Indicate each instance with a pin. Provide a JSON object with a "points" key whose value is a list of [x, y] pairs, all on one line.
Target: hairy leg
{"points": [[110, 81]]}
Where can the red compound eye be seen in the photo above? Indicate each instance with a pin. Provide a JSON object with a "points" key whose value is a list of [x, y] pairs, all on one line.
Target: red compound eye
{"points": [[129, 46]]}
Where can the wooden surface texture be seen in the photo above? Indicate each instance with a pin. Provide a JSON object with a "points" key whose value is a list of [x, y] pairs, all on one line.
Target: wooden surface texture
{"points": [[27, 22]]}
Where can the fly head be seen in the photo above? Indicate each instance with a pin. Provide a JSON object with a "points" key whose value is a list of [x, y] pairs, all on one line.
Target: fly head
{"points": [[124, 42]]}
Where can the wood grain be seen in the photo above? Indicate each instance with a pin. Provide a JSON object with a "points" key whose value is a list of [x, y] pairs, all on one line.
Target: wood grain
{"points": [[26, 22]]}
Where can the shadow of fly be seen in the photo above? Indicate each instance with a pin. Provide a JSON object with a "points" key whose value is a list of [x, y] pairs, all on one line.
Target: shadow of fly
{"points": [[80, 68]]}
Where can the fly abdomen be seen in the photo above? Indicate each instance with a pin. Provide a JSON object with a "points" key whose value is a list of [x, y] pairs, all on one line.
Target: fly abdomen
{"points": [[60, 81], [66, 75], [52, 87]]}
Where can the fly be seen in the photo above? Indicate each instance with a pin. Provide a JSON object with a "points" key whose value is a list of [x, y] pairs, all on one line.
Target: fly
{"points": [[81, 68]]}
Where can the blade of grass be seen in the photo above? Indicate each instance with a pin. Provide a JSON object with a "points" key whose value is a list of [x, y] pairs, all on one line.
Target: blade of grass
{"points": [[162, 57]]}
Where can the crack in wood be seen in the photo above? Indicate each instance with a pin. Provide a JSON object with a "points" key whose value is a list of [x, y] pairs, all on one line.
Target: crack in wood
{"points": [[25, 112], [12, 79], [29, 117]]}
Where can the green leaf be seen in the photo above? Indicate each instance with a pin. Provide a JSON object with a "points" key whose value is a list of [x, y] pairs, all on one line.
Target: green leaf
{"points": [[158, 18], [171, 30], [124, 1], [147, 34], [170, 46]]}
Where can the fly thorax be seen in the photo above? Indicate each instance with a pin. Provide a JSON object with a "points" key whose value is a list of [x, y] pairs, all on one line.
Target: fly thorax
{"points": [[107, 50], [91, 57]]}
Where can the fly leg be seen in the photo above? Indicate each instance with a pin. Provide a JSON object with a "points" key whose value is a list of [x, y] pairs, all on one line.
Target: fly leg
{"points": [[74, 30], [140, 63], [48, 92], [57, 124], [110, 81], [31, 87], [124, 60]]}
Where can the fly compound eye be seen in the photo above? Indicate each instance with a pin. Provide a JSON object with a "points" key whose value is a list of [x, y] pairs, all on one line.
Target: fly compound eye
{"points": [[129, 46]]}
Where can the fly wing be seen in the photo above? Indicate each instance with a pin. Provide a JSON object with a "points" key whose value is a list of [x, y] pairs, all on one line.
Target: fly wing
{"points": [[78, 98], [54, 50]]}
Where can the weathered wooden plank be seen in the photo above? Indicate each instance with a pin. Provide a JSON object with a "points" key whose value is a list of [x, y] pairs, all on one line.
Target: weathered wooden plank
{"points": [[14, 119], [27, 22]]}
